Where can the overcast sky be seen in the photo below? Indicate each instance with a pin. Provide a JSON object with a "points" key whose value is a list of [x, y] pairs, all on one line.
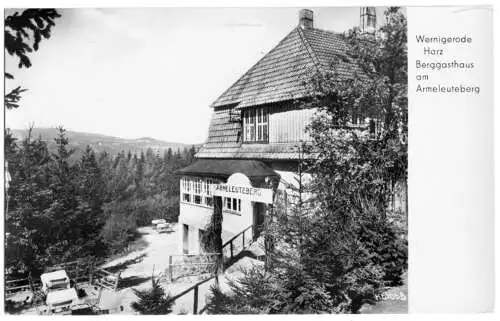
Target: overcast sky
{"points": [[149, 72]]}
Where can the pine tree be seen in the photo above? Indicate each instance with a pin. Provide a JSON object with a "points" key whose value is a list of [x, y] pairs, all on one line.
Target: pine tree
{"points": [[152, 301]]}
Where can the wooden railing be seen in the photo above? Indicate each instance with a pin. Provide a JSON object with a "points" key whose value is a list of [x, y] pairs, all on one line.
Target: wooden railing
{"points": [[247, 238], [195, 290]]}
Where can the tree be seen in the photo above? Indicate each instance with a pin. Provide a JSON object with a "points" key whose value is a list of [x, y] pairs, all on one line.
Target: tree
{"points": [[39, 23], [152, 301]]}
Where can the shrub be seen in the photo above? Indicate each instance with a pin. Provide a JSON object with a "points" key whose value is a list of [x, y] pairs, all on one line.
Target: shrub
{"points": [[390, 252], [152, 301]]}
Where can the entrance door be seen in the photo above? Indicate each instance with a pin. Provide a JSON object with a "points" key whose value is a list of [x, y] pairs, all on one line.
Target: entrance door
{"points": [[201, 237], [185, 238], [259, 211]]}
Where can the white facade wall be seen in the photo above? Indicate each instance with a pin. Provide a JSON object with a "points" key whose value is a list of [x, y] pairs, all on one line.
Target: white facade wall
{"points": [[196, 217], [233, 223]]}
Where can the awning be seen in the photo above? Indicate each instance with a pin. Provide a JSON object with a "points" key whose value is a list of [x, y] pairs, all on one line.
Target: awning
{"points": [[224, 168]]}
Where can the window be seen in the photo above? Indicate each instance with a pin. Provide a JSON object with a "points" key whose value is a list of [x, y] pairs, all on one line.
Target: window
{"points": [[232, 204], [208, 186], [256, 125], [197, 190], [197, 183]]}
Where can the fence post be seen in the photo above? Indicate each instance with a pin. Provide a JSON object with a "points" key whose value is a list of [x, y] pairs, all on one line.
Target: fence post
{"points": [[231, 248], [195, 303], [243, 240], [170, 278], [117, 281], [91, 270]]}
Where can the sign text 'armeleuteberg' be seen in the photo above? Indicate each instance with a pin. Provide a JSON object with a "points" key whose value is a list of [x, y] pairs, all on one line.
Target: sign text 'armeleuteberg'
{"points": [[262, 195]]}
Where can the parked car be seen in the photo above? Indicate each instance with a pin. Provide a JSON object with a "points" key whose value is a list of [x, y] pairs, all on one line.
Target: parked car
{"points": [[59, 295]]}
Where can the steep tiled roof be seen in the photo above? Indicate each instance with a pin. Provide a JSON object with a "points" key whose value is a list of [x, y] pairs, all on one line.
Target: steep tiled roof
{"points": [[278, 77], [280, 74]]}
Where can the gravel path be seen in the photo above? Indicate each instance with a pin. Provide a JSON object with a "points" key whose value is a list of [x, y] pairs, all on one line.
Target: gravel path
{"points": [[138, 267]]}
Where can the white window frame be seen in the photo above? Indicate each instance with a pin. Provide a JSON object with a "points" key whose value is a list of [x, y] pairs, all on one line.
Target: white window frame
{"points": [[231, 205], [256, 125], [200, 188]]}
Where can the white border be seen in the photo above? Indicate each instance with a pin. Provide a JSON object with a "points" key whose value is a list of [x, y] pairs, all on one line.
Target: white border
{"points": [[273, 3]]}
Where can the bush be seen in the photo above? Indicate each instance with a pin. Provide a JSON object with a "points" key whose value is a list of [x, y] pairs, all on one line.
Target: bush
{"points": [[390, 252], [152, 301]]}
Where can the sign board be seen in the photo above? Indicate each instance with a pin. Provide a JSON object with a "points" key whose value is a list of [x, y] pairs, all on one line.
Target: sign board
{"points": [[238, 186]]}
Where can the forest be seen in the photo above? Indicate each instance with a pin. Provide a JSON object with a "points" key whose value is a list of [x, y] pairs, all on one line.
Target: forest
{"points": [[59, 209]]}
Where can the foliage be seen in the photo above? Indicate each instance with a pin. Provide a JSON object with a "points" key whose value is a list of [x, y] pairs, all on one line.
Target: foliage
{"points": [[18, 27], [389, 250], [13, 97], [152, 301]]}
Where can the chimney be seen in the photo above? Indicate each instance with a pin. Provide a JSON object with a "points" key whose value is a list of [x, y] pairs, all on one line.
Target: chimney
{"points": [[306, 19], [367, 20]]}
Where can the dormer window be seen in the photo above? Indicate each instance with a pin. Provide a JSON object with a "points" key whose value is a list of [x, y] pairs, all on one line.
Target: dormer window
{"points": [[256, 125]]}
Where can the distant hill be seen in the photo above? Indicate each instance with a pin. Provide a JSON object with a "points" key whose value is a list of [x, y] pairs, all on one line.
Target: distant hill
{"points": [[100, 143]]}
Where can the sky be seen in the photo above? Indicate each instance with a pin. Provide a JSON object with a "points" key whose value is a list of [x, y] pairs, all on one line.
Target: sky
{"points": [[149, 72]]}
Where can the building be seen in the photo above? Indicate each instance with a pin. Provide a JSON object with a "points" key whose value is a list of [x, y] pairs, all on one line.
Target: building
{"points": [[256, 130]]}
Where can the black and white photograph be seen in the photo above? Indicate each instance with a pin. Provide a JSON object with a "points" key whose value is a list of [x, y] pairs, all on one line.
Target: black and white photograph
{"points": [[196, 160]]}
